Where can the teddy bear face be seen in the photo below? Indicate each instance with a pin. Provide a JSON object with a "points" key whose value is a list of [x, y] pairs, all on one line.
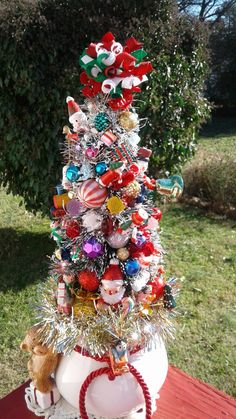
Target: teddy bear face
{"points": [[31, 343]]}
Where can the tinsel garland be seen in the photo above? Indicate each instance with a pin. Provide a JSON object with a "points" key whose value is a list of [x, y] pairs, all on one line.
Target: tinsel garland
{"points": [[95, 332]]}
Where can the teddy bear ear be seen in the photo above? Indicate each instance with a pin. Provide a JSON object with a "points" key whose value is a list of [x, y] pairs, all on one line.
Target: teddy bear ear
{"points": [[23, 346]]}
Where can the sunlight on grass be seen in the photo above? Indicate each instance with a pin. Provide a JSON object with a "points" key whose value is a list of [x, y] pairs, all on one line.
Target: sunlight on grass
{"points": [[201, 253]]}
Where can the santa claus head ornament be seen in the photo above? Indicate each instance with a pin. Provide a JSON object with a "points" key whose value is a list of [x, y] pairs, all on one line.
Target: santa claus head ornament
{"points": [[112, 285], [76, 117]]}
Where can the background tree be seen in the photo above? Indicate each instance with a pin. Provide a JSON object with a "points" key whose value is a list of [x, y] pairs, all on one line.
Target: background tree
{"points": [[222, 80], [41, 42], [212, 10]]}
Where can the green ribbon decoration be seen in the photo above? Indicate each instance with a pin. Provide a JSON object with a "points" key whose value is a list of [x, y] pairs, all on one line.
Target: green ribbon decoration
{"points": [[91, 64], [139, 54]]}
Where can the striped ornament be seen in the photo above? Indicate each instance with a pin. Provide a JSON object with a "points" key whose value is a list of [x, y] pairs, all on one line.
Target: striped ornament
{"points": [[91, 194], [108, 138]]}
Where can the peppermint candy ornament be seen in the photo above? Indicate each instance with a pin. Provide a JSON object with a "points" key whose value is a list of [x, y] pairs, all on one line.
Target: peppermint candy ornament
{"points": [[91, 194]]}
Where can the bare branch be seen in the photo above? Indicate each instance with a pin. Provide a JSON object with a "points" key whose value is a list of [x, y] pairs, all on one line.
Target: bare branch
{"points": [[212, 10]]}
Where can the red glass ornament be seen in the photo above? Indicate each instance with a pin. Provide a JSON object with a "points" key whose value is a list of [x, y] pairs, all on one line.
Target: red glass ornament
{"points": [[148, 249], [157, 214], [88, 280], [158, 285], [72, 230], [58, 213], [129, 201], [107, 226]]}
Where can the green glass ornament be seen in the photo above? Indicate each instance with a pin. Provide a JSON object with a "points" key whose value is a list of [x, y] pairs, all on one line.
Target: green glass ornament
{"points": [[101, 121]]}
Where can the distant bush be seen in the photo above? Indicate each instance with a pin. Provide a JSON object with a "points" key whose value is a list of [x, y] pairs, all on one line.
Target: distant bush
{"points": [[41, 41], [211, 177]]}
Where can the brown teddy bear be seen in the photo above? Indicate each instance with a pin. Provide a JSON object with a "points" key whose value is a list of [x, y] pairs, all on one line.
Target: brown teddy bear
{"points": [[42, 363]]}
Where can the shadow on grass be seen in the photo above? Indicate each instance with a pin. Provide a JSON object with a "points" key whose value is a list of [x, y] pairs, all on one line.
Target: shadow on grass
{"points": [[23, 258], [219, 127]]}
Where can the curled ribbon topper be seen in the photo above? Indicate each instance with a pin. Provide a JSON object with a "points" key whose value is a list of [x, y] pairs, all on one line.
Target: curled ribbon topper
{"points": [[114, 70]]}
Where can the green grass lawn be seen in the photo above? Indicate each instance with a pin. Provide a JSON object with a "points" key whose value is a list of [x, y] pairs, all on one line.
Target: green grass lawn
{"points": [[219, 136], [201, 253]]}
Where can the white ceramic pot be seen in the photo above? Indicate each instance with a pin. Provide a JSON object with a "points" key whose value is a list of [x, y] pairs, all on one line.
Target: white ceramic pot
{"points": [[112, 399]]}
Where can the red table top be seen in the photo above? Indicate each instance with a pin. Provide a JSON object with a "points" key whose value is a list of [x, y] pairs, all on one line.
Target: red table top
{"points": [[181, 397]]}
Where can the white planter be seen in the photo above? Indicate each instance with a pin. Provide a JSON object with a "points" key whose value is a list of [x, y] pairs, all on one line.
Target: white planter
{"points": [[111, 399]]}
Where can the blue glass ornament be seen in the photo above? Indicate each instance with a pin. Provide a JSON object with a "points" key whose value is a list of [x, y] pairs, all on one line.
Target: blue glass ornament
{"points": [[101, 168], [65, 254], [141, 198], [59, 189], [132, 267], [73, 173]]}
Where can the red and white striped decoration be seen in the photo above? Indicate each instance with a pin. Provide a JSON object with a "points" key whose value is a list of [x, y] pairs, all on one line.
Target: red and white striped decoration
{"points": [[108, 138], [44, 400], [139, 217], [91, 194], [61, 294]]}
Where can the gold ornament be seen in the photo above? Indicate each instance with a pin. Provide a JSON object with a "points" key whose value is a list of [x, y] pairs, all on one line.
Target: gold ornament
{"points": [[132, 190], [84, 303], [115, 205], [128, 120], [122, 253]]}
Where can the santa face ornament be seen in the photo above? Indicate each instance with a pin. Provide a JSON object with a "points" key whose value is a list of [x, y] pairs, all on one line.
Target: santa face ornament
{"points": [[112, 292]]}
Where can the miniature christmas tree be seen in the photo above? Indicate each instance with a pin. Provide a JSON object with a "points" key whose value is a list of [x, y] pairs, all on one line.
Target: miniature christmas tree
{"points": [[107, 297]]}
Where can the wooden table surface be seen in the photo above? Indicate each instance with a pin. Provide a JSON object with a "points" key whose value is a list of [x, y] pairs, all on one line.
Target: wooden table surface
{"points": [[182, 397]]}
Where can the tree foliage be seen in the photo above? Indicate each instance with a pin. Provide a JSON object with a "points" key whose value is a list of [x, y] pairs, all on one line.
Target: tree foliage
{"points": [[222, 80], [41, 42]]}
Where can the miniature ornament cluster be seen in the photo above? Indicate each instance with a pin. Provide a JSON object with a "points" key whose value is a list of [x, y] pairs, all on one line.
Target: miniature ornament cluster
{"points": [[105, 221], [105, 224], [107, 287]]}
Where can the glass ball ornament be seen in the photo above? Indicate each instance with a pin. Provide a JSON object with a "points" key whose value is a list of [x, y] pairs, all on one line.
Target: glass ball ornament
{"points": [[91, 194], [91, 152], [132, 190], [92, 220], [73, 173], [128, 120], [132, 267], [72, 229], [65, 254], [101, 121], [101, 168], [117, 240], [92, 248], [122, 254], [74, 207], [107, 226]]}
